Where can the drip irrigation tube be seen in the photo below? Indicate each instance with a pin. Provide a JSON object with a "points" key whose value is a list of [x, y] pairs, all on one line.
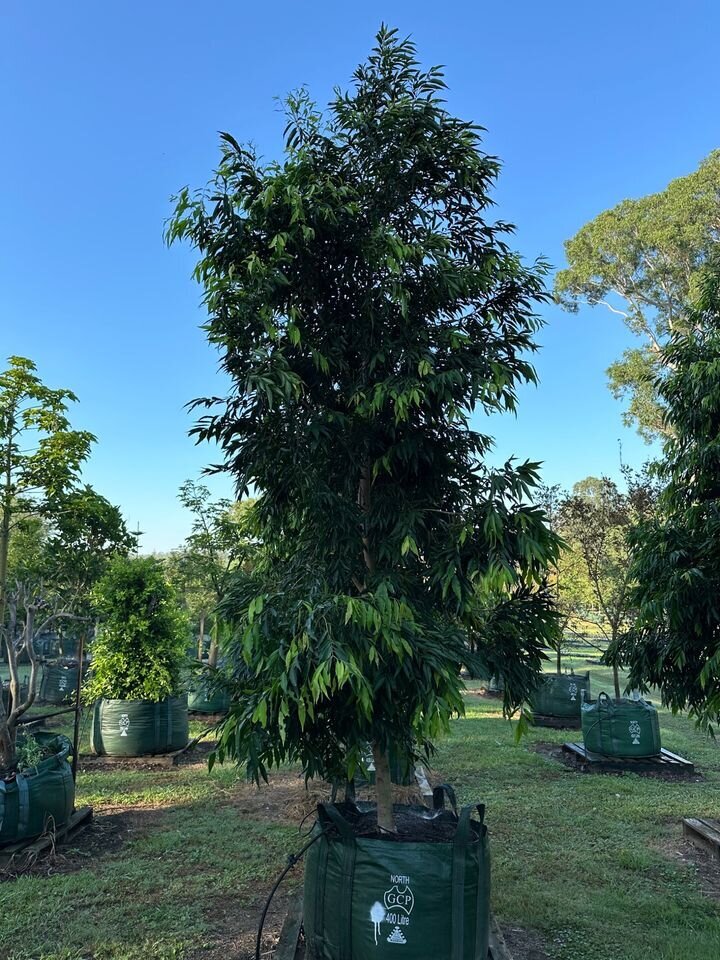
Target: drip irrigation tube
{"points": [[292, 859]]}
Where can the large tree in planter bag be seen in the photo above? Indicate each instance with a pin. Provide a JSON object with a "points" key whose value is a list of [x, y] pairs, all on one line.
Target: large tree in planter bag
{"points": [[135, 680], [364, 308]]}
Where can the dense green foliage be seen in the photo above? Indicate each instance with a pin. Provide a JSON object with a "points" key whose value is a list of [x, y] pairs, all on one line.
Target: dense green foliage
{"points": [[641, 259], [676, 644], [364, 308], [140, 647], [55, 535]]}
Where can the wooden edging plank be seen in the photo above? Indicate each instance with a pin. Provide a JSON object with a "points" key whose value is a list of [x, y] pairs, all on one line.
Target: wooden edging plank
{"points": [[287, 947], [665, 762], [703, 833], [497, 948]]}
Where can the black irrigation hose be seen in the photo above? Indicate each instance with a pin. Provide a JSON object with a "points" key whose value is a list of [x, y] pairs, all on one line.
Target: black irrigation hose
{"points": [[293, 858]]}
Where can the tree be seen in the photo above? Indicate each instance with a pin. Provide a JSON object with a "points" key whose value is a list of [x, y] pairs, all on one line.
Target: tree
{"points": [[218, 542], [568, 582], [55, 535], [675, 644], [140, 648], [364, 308], [641, 260], [596, 522]]}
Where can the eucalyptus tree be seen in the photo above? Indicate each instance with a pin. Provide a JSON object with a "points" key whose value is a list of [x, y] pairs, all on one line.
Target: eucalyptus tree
{"points": [[365, 307], [641, 260], [675, 645]]}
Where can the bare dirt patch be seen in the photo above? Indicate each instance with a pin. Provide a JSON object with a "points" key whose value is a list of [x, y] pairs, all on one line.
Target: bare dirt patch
{"points": [[523, 944], [197, 754], [105, 835], [702, 863]]}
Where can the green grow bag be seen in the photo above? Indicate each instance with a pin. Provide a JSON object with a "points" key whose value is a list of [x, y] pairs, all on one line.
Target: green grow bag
{"points": [[35, 799], [59, 683], [136, 728], [620, 728], [560, 695], [364, 898], [205, 699]]}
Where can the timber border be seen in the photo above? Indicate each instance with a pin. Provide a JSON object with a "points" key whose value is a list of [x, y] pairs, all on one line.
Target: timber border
{"points": [[703, 833], [664, 762]]}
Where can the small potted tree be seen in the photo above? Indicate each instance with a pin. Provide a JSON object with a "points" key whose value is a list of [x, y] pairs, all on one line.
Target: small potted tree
{"points": [[135, 680], [364, 308], [53, 538]]}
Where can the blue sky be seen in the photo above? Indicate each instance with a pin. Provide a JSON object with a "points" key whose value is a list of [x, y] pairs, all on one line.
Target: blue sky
{"points": [[108, 108]]}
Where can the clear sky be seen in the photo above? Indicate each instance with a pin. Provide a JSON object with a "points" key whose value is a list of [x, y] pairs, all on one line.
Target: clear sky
{"points": [[108, 108]]}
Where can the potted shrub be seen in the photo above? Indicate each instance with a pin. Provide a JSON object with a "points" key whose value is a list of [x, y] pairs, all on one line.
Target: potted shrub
{"points": [[138, 654], [41, 793], [365, 308]]}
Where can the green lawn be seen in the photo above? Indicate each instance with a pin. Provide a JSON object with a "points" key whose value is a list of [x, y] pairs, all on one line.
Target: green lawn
{"points": [[178, 861]]}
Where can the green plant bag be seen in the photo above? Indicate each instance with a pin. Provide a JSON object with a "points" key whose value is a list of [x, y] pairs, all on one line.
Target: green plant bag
{"points": [[31, 801], [367, 899], [560, 695], [204, 699], [58, 684], [136, 728], [620, 728]]}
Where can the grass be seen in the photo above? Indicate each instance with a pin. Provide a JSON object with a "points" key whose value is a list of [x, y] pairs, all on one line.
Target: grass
{"points": [[586, 861]]}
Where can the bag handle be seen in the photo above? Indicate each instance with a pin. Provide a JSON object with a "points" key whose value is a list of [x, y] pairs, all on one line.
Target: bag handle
{"points": [[439, 793], [328, 811], [460, 845]]}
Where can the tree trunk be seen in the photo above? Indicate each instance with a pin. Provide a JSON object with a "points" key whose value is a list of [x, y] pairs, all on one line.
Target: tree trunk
{"points": [[383, 790], [616, 681], [559, 659], [201, 636], [213, 654]]}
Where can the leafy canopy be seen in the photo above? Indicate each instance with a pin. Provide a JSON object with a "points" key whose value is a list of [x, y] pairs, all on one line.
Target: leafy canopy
{"points": [[641, 259], [365, 308], [140, 647], [676, 564]]}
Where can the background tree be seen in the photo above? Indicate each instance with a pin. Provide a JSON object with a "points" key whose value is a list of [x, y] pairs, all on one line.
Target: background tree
{"points": [[568, 582], [217, 544], [641, 260], [364, 308], [596, 522], [675, 645]]}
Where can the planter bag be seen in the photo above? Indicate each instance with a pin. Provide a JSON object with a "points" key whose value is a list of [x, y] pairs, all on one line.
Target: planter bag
{"points": [[31, 801], [59, 683], [135, 728], [367, 899], [560, 695], [204, 698], [620, 728]]}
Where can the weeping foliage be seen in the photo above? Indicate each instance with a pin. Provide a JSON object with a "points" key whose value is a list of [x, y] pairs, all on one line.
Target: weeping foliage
{"points": [[364, 308], [676, 644]]}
